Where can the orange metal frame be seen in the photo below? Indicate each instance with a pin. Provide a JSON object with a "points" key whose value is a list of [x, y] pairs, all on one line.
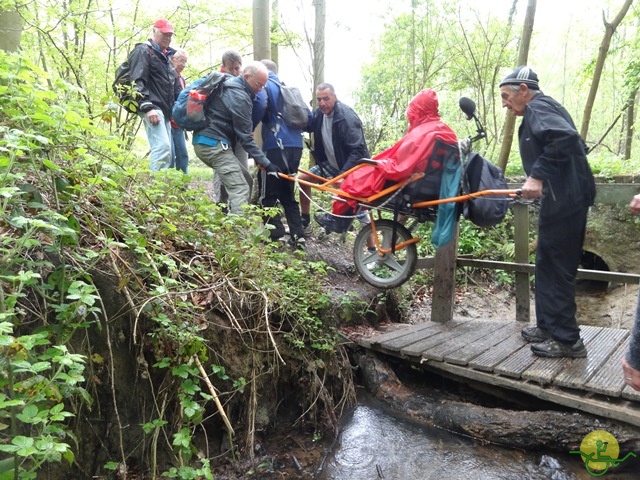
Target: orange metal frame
{"points": [[328, 186]]}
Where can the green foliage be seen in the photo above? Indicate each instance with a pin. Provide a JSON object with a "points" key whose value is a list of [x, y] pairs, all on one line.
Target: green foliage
{"points": [[36, 380], [73, 203]]}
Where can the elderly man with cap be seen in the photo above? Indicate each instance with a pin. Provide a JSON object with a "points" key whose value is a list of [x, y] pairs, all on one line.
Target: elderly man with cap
{"points": [[554, 157], [156, 81]]}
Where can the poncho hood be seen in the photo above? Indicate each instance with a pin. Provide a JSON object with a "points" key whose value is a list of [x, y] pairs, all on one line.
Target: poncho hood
{"points": [[423, 108]]}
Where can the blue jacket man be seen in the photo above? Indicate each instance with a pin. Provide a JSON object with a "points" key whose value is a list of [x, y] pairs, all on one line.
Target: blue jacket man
{"points": [[283, 147]]}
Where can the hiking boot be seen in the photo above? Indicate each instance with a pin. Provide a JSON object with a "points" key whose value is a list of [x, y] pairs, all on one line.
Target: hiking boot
{"points": [[555, 349], [307, 229], [332, 223], [535, 334]]}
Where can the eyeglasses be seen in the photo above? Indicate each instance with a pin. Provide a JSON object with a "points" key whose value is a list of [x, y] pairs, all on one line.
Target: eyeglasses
{"points": [[257, 84]]}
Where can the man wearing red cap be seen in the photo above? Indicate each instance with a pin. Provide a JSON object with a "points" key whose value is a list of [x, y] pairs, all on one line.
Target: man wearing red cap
{"points": [[156, 81], [554, 157]]}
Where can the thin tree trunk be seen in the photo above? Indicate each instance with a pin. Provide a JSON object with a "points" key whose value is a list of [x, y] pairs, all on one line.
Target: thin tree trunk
{"points": [[261, 24], [523, 56], [609, 30], [631, 102], [10, 31], [318, 44], [274, 29]]}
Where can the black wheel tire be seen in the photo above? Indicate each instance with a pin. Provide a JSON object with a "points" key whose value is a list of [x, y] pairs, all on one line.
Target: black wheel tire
{"points": [[392, 269]]}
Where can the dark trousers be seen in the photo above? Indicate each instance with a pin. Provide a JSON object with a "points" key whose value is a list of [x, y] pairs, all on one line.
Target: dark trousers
{"points": [[557, 259], [274, 190]]}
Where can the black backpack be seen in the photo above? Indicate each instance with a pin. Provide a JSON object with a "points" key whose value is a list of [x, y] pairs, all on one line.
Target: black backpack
{"points": [[480, 174], [123, 87], [293, 110]]}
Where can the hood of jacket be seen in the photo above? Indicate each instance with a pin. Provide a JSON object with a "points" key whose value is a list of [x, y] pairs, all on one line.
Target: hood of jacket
{"points": [[423, 108]]}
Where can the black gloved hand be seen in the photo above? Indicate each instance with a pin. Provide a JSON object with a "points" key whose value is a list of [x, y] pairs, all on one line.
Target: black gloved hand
{"points": [[273, 170]]}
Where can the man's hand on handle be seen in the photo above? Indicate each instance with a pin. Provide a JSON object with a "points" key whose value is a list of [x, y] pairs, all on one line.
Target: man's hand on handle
{"points": [[532, 189]]}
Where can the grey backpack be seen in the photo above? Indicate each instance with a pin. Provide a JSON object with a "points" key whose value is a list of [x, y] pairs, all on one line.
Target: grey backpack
{"points": [[293, 110]]}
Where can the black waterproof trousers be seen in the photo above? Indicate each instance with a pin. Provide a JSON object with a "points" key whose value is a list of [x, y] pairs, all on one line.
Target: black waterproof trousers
{"points": [[558, 256], [274, 190]]}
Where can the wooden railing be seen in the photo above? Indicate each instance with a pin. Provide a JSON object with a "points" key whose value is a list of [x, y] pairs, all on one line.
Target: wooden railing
{"points": [[446, 259]]}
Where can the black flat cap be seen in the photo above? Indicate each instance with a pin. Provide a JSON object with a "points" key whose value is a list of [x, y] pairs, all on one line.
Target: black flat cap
{"points": [[522, 74]]}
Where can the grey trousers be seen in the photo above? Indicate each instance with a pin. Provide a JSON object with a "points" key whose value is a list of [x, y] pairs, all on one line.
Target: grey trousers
{"points": [[231, 173], [219, 192]]}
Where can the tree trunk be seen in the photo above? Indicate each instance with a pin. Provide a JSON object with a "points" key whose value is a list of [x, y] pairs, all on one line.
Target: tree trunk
{"points": [[547, 430], [261, 24], [630, 124], [318, 45], [609, 30], [523, 56], [10, 31], [274, 30]]}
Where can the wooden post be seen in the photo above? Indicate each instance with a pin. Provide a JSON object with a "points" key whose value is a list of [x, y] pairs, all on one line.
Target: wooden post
{"points": [[444, 280], [521, 227]]}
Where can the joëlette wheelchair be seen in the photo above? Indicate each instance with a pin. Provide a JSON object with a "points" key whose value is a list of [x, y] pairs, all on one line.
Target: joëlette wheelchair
{"points": [[394, 258]]}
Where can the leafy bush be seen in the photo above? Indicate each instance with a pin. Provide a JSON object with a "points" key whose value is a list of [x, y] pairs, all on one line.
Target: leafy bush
{"points": [[73, 203]]}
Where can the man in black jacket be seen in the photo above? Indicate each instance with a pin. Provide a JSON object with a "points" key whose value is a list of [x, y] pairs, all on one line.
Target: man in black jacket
{"points": [[554, 157], [338, 143], [156, 81]]}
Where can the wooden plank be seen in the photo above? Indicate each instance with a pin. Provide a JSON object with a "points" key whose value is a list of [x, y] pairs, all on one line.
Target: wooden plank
{"points": [[462, 342], [433, 328], [529, 268], [367, 342], [630, 394], [516, 363], [444, 280], [466, 354], [544, 370], [522, 281], [615, 409], [418, 348], [488, 360], [598, 353], [608, 379]]}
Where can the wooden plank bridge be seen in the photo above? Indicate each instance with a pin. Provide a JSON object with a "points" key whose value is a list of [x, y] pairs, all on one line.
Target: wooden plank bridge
{"points": [[494, 353]]}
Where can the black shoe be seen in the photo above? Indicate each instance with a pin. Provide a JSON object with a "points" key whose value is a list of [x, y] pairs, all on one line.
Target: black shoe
{"points": [[327, 221], [555, 349], [535, 334]]}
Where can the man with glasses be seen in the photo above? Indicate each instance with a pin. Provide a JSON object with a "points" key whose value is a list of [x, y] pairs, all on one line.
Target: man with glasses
{"points": [[232, 65], [156, 82], [230, 123]]}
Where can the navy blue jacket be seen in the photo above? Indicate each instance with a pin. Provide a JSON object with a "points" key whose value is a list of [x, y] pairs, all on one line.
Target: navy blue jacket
{"points": [[291, 137]]}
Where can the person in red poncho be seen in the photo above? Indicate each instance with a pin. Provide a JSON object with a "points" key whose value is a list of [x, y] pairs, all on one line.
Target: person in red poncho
{"points": [[396, 164]]}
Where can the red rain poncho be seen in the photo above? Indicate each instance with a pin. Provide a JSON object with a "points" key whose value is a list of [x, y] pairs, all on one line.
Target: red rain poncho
{"points": [[406, 157]]}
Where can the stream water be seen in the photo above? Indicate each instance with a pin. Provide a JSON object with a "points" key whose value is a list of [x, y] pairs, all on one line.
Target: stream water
{"points": [[374, 445]]}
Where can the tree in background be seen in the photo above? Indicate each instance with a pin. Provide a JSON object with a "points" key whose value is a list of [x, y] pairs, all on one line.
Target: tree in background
{"points": [[421, 49], [603, 52], [83, 45]]}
